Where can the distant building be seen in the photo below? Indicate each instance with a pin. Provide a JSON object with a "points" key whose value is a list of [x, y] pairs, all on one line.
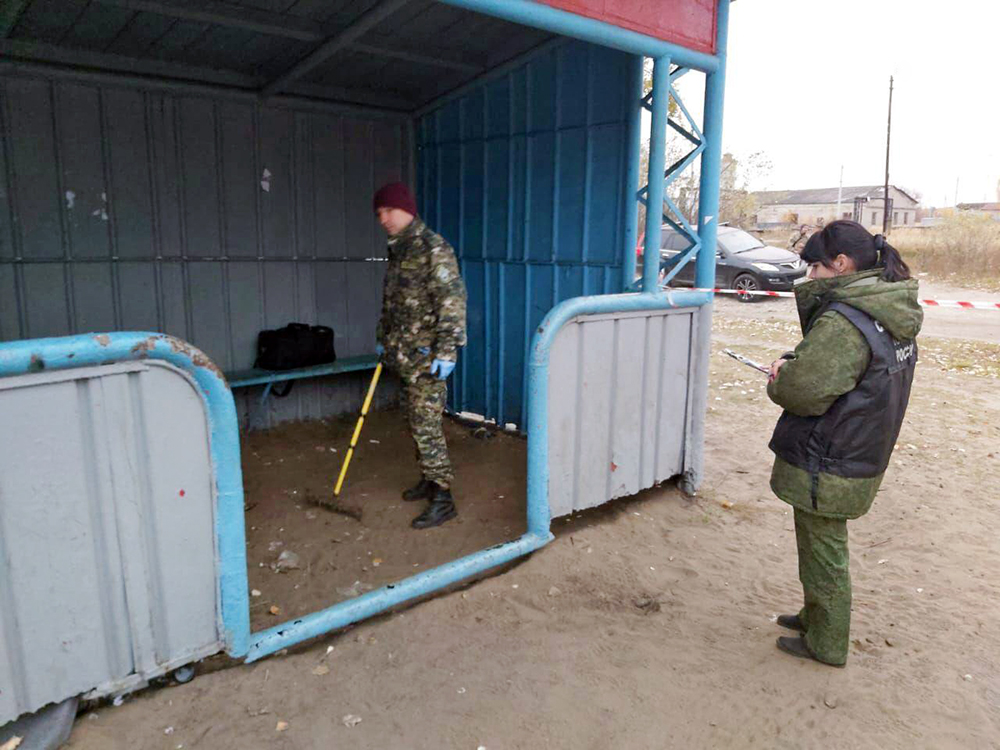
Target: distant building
{"points": [[990, 209], [863, 204]]}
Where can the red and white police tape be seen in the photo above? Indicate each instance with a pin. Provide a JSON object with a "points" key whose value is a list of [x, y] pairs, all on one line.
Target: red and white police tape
{"points": [[925, 302]]}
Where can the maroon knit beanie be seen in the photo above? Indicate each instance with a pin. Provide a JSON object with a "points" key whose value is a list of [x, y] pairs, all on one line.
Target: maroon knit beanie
{"points": [[395, 195]]}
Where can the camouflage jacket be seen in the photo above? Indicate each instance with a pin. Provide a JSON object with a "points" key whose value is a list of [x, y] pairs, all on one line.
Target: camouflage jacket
{"points": [[828, 362], [423, 301]]}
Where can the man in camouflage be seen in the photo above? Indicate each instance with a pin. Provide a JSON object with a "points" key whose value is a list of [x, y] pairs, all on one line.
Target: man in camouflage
{"points": [[798, 239], [419, 334]]}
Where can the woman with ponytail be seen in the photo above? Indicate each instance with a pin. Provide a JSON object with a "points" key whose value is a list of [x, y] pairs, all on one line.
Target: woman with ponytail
{"points": [[844, 391]]}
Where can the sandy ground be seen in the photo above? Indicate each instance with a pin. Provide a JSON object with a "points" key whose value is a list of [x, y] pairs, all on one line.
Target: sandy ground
{"points": [[340, 556], [648, 623]]}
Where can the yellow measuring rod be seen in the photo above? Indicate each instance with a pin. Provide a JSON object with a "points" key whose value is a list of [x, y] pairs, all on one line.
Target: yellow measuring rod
{"points": [[357, 430]]}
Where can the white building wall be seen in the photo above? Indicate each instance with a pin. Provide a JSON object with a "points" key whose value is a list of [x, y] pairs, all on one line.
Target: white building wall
{"points": [[904, 212]]}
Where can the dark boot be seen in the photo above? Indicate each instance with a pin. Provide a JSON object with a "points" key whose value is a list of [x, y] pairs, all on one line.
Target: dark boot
{"points": [[422, 490], [441, 509], [797, 647], [792, 622]]}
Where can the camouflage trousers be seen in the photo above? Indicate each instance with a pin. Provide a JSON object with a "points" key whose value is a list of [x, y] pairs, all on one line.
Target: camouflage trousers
{"points": [[423, 400], [826, 583]]}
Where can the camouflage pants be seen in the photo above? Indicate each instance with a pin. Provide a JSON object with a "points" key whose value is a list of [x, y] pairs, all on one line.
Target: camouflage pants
{"points": [[424, 399], [826, 583]]}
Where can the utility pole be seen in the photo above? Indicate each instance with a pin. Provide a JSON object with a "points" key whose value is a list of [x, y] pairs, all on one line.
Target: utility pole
{"points": [[885, 194], [840, 192], [956, 190]]}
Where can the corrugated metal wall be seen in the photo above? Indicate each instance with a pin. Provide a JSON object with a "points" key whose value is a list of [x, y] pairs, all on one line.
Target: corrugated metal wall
{"points": [[525, 176], [107, 555], [205, 218], [620, 405]]}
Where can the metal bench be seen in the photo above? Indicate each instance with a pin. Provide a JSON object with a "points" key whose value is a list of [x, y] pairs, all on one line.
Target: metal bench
{"points": [[267, 378]]}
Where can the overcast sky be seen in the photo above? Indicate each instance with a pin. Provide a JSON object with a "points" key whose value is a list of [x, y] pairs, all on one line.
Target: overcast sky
{"points": [[808, 84]]}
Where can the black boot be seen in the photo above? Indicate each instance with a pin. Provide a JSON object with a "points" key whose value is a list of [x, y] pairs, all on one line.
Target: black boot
{"points": [[441, 509], [797, 647], [792, 622], [422, 490]]}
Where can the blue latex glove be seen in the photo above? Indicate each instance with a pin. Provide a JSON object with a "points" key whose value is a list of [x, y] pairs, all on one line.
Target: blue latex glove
{"points": [[442, 368]]}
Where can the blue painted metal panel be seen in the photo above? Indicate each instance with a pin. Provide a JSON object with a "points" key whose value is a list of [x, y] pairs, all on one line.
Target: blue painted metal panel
{"points": [[128, 208], [523, 175]]}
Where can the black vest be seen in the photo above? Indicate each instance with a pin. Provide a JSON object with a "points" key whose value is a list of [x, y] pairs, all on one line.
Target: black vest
{"points": [[856, 435]]}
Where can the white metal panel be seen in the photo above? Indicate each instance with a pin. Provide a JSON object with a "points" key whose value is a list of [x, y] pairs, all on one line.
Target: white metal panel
{"points": [[618, 405], [107, 542]]}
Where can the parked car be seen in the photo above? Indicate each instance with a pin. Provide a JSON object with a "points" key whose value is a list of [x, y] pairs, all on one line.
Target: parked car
{"points": [[742, 262]]}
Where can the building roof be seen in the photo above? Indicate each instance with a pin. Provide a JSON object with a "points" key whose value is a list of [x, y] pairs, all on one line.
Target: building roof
{"points": [[822, 195], [978, 206]]}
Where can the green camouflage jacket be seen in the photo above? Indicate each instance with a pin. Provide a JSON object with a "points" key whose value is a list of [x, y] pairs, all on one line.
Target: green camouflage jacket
{"points": [[423, 301], [829, 362]]}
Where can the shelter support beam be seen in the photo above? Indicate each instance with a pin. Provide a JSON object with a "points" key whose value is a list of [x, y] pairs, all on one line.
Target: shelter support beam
{"points": [[46, 60], [292, 27], [711, 159], [49, 53], [364, 23], [232, 16], [708, 210], [9, 14], [631, 238], [657, 166]]}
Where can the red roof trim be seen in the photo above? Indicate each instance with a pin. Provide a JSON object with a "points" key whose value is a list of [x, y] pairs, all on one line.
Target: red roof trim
{"points": [[688, 23]]}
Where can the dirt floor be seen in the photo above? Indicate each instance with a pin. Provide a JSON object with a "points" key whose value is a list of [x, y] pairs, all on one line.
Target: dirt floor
{"points": [[339, 556], [648, 623]]}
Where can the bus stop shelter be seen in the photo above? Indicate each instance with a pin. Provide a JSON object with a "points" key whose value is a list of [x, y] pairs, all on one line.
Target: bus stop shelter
{"points": [[176, 176]]}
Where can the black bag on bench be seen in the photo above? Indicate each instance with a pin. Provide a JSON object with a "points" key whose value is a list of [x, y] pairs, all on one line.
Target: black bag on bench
{"points": [[296, 345]]}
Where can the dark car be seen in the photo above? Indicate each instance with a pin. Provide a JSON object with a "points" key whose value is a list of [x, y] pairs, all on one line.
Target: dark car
{"points": [[742, 262]]}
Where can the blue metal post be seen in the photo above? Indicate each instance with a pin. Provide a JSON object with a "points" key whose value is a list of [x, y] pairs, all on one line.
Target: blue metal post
{"points": [[657, 166], [631, 206], [711, 159]]}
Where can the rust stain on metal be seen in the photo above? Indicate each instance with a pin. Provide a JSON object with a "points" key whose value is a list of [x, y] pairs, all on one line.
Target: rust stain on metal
{"points": [[103, 339], [195, 355], [143, 348]]}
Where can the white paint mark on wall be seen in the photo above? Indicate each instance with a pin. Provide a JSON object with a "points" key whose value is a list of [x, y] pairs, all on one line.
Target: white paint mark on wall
{"points": [[102, 212], [70, 199], [265, 180]]}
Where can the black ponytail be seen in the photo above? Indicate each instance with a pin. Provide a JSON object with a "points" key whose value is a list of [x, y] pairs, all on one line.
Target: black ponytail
{"points": [[894, 268], [843, 237]]}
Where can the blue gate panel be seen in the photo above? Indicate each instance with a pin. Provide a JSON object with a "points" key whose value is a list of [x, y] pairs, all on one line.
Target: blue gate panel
{"points": [[525, 176]]}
